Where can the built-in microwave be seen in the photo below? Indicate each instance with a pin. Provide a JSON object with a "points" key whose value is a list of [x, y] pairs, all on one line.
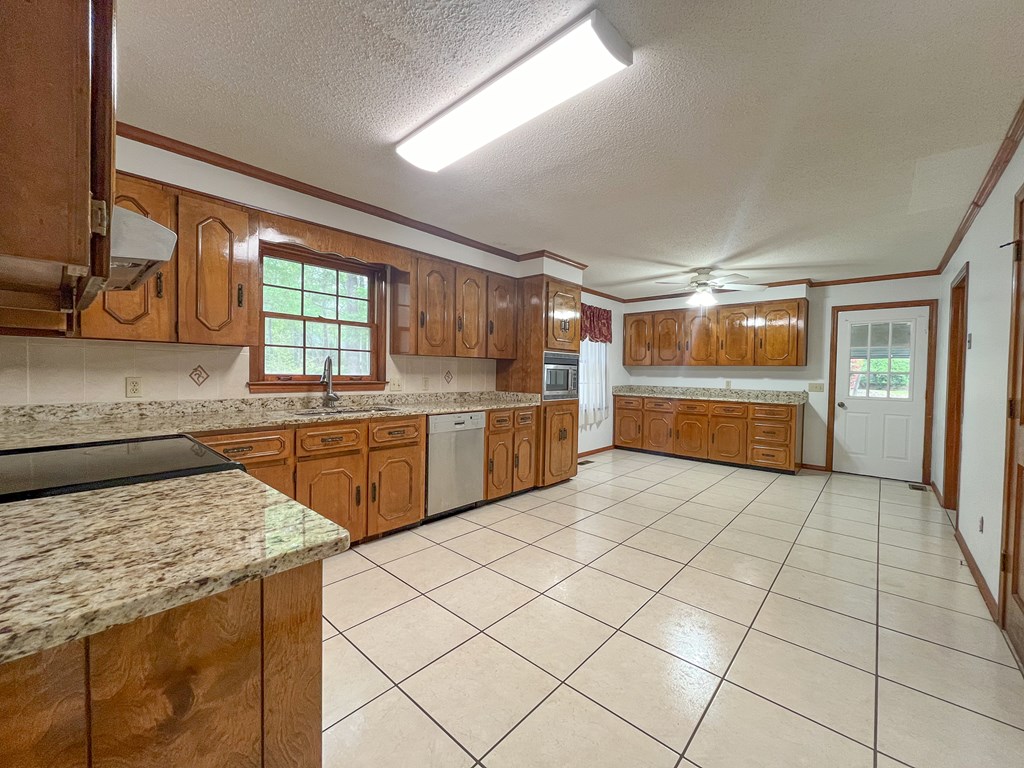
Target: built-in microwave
{"points": [[561, 376]]}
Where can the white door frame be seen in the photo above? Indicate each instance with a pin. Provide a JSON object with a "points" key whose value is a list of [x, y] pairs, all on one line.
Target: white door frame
{"points": [[933, 309]]}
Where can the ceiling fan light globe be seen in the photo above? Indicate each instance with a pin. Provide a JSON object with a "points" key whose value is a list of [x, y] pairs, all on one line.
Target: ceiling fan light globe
{"points": [[702, 299]]}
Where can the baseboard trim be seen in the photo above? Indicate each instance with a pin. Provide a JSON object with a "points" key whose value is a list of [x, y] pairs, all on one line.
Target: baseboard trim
{"points": [[938, 494], [986, 593], [814, 467], [596, 450]]}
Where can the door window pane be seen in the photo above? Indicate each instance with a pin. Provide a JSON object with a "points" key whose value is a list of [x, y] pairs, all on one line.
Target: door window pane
{"points": [[881, 356]]}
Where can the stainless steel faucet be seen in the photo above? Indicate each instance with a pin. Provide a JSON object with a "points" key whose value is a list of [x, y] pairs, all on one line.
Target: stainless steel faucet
{"points": [[327, 379]]}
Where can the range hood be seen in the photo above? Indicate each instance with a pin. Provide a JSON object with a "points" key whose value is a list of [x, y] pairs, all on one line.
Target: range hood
{"points": [[139, 247]]}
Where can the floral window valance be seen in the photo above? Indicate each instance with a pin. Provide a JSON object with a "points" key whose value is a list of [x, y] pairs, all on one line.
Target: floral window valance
{"points": [[597, 324]]}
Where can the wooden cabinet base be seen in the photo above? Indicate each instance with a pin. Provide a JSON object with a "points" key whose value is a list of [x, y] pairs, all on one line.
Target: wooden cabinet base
{"points": [[230, 679]]}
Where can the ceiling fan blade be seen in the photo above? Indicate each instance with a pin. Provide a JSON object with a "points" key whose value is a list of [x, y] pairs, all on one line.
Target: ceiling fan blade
{"points": [[673, 282], [741, 287]]}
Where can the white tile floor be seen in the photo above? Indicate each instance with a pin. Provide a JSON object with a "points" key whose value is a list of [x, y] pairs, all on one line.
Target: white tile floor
{"points": [[662, 612]]}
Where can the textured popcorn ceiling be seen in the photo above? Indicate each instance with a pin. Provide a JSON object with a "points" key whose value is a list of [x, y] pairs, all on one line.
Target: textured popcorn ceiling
{"points": [[779, 138]]}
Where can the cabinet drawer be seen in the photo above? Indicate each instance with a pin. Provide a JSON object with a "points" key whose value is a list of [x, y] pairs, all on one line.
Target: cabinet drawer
{"points": [[499, 421], [629, 402], [395, 431], [252, 446], [770, 456], [782, 412], [691, 406], [728, 409], [771, 432], [330, 437], [651, 404], [526, 417]]}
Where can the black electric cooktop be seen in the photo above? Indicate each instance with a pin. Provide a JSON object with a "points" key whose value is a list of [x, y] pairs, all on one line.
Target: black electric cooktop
{"points": [[33, 473]]}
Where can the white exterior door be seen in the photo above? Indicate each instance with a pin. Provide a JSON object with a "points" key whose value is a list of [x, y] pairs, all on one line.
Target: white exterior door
{"points": [[881, 376]]}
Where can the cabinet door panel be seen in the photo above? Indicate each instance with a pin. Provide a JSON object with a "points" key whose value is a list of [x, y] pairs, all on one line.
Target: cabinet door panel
{"points": [[396, 488], [525, 460], [216, 283], [498, 472], [780, 334], [658, 431], [668, 338], [636, 346], [691, 436], [563, 317], [629, 430], [736, 335], [501, 317], [728, 439], [700, 337], [560, 440], [470, 312], [280, 477], [149, 312], [335, 486], [435, 300]]}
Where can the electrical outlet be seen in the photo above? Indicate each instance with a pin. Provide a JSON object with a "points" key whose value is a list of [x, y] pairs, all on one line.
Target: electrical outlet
{"points": [[981, 524], [728, 383], [426, 383], [816, 386], [133, 386], [395, 385]]}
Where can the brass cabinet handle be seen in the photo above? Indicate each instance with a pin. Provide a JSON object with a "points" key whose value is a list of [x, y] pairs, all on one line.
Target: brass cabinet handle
{"points": [[239, 449], [490, 327], [159, 285], [359, 495], [339, 439], [490, 466], [396, 432], [241, 294], [515, 462], [423, 319], [458, 323], [373, 492]]}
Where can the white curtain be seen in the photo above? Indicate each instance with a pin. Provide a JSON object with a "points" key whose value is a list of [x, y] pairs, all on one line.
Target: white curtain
{"points": [[595, 396]]}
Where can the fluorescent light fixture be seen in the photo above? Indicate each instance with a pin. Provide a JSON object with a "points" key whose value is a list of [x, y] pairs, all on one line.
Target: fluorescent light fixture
{"points": [[702, 298], [577, 58]]}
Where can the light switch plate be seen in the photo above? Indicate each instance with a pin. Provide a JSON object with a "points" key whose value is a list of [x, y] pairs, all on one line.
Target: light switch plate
{"points": [[816, 386]]}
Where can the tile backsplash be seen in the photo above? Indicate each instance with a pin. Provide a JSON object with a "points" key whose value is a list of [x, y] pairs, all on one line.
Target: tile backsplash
{"points": [[35, 370]]}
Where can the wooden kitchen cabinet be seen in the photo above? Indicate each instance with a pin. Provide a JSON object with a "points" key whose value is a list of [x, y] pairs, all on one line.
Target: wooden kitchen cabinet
{"points": [[564, 309], [781, 337], [561, 438], [150, 312], [700, 336], [499, 472], [502, 300], [335, 487], [268, 455], [658, 431], [667, 338], [728, 439], [218, 284], [396, 488], [470, 312], [57, 155], [629, 422], [435, 299], [524, 450], [736, 335], [636, 339], [691, 439]]}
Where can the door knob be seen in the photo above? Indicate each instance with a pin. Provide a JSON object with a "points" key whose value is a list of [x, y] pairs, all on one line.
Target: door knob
{"points": [[841, 404]]}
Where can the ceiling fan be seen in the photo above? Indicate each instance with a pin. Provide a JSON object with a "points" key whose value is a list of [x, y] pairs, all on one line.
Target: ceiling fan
{"points": [[704, 281]]}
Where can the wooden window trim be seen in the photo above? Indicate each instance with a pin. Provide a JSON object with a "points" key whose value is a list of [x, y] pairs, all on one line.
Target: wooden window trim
{"points": [[375, 382]]}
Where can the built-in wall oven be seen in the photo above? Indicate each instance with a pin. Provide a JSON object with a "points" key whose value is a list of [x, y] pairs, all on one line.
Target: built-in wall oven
{"points": [[561, 376]]}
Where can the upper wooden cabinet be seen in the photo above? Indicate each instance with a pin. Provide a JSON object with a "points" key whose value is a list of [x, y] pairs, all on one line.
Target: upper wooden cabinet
{"points": [[470, 312], [781, 333], [501, 317], [435, 299], [636, 339], [148, 313], [57, 156], [767, 333], [736, 335], [564, 309], [217, 276]]}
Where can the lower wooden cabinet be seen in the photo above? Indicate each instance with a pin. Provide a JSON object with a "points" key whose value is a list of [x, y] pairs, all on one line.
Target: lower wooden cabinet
{"points": [[524, 459], [499, 477], [280, 477], [268, 455], [659, 431], [510, 463], [756, 434], [335, 486], [561, 441], [396, 488]]}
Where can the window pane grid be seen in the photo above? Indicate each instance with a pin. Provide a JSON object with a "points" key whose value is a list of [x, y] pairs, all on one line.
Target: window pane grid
{"points": [[880, 360]]}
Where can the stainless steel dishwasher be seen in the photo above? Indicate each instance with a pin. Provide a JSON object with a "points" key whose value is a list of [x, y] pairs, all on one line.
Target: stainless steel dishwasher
{"points": [[455, 461]]}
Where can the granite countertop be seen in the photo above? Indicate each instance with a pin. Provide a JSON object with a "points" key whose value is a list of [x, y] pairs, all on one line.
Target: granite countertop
{"points": [[33, 426], [68, 570], [782, 397]]}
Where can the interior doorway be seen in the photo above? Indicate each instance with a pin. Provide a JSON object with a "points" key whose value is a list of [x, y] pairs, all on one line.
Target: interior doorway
{"points": [[955, 393]]}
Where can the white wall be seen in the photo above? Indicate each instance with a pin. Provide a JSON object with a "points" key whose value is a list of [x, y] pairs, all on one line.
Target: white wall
{"points": [[989, 304]]}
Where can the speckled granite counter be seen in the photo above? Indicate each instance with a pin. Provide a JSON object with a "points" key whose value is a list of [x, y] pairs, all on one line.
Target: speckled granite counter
{"points": [[31, 426], [68, 567], [712, 393]]}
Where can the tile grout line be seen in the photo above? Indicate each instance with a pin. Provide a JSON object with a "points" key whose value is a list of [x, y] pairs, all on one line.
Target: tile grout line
{"points": [[878, 619]]}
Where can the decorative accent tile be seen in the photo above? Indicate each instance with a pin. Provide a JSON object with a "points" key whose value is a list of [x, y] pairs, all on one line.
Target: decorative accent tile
{"points": [[199, 375]]}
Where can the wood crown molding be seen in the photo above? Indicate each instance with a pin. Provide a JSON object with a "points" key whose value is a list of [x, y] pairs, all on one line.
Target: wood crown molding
{"points": [[553, 256]]}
